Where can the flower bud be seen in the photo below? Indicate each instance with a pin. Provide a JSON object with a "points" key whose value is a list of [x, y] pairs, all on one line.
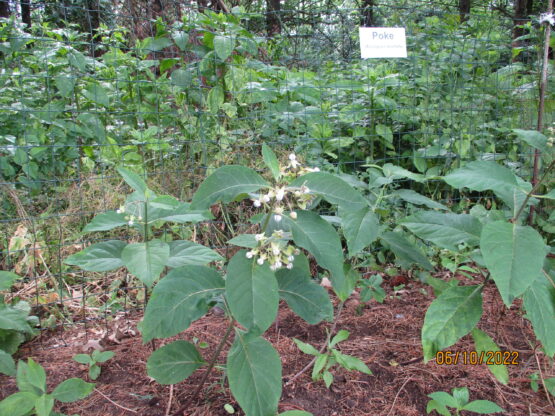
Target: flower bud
{"points": [[259, 237], [250, 254], [257, 203], [265, 198], [290, 259], [260, 261], [130, 222], [280, 193], [293, 215], [290, 266], [292, 156], [277, 218]]}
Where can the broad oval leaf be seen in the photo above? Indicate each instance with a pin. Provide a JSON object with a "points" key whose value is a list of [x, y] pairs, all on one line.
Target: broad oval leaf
{"points": [[183, 253], [44, 405], [99, 257], [225, 184], [539, 302], [271, 160], [533, 137], [484, 343], [146, 260], [305, 297], [451, 316], [418, 199], [174, 362], [332, 189], [244, 240], [224, 45], [405, 252], [7, 364], [18, 404], [252, 293], [180, 298], [105, 221], [483, 407], [181, 39], [254, 372], [360, 228], [12, 318], [133, 180], [446, 230], [72, 390], [514, 256], [317, 236], [182, 78], [7, 279]]}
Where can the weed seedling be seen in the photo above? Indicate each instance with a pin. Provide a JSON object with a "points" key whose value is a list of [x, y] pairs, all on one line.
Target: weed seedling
{"points": [[93, 360]]}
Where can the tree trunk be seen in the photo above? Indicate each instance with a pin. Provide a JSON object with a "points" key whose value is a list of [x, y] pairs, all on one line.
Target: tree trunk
{"points": [[464, 9], [4, 8], [26, 12], [93, 7], [367, 13], [273, 22], [520, 18]]}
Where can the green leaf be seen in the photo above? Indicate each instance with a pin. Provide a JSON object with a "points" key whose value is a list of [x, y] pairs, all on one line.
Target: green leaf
{"points": [[94, 371], [12, 318], [396, 172], [105, 221], [319, 364], [295, 413], [156, 44], [306, 348], [271, 160], [183, 253], [72, 389], [65, 84], [224, 45], [514, 256], [254, 372], [483, 343], [7, 279], [438, 407], [418, 199], [483, 407], [539, 303], [328, 378], [446, 230], [181, 39], [99, 257], [550, 385], [83, 359], [361, 228], [133, 180], [225, 184], [341, 336], [215, 98], [44, 405], [451, 316], [351, 363], [146, 260], [182, 78], [333, 189], [461, 395], [317, 236], [244, 240], [97, 94], [533, 137], [174, 362], [252, 293], [102, 356], [31, 377], [7, 364], [444, 398], [385, 133], [18, 404], [305, 297], [405, 252], [180, 298]]}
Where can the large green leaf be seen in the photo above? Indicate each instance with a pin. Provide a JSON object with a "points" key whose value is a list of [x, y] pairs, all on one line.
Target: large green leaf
{"points": [[178, 299], [7, 279], [254, 372], [483, 407], [31, 377], [105, 221], [133, 180], [184, 252], [418, 199], [332, 189], [72, 389], [99, 257], [44, 405], [446, 230], [305, 297], [360, 228], [539, 302], [224, 45], [12, 318], [251, 292], [484, 343], [146, 260], [316, 235], [7, 364], [514, 256], [18, 404], [181, 39], [405, 252], [451, 316], [225, 184], [533, 137], [270, 160], [174, 362]]}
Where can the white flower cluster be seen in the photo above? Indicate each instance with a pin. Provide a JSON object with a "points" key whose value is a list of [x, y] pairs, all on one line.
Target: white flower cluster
{"points": [[129, 218], [273, 249], [294, 167]]}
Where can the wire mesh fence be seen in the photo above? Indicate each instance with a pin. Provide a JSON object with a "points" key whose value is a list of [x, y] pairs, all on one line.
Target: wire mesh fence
{"points": [[173, 90]]}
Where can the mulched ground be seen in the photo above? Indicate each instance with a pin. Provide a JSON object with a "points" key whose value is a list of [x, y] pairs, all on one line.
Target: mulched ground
{"points": [[385, 336]]}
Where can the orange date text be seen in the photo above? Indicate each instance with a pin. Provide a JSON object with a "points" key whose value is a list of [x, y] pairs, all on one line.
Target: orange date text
{"points": [[477, 357]]}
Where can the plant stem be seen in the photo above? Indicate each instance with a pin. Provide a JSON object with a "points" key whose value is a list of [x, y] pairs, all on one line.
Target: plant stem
{"points": [[534, 189], [211, 365], [324, 346]]}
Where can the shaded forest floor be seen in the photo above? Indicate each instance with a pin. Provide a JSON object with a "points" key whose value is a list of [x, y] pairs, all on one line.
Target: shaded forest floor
{"points": [[385, 336]]}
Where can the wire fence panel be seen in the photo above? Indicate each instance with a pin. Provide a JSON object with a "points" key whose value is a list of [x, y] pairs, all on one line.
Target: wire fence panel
{"points": [[173, 90]]}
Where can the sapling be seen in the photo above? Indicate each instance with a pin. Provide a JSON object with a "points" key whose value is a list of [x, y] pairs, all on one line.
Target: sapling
{"points": [[459, 400], [93, 360]]}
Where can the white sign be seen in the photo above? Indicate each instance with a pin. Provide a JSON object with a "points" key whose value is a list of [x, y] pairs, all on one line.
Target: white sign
{"points": [[383, 42]]}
